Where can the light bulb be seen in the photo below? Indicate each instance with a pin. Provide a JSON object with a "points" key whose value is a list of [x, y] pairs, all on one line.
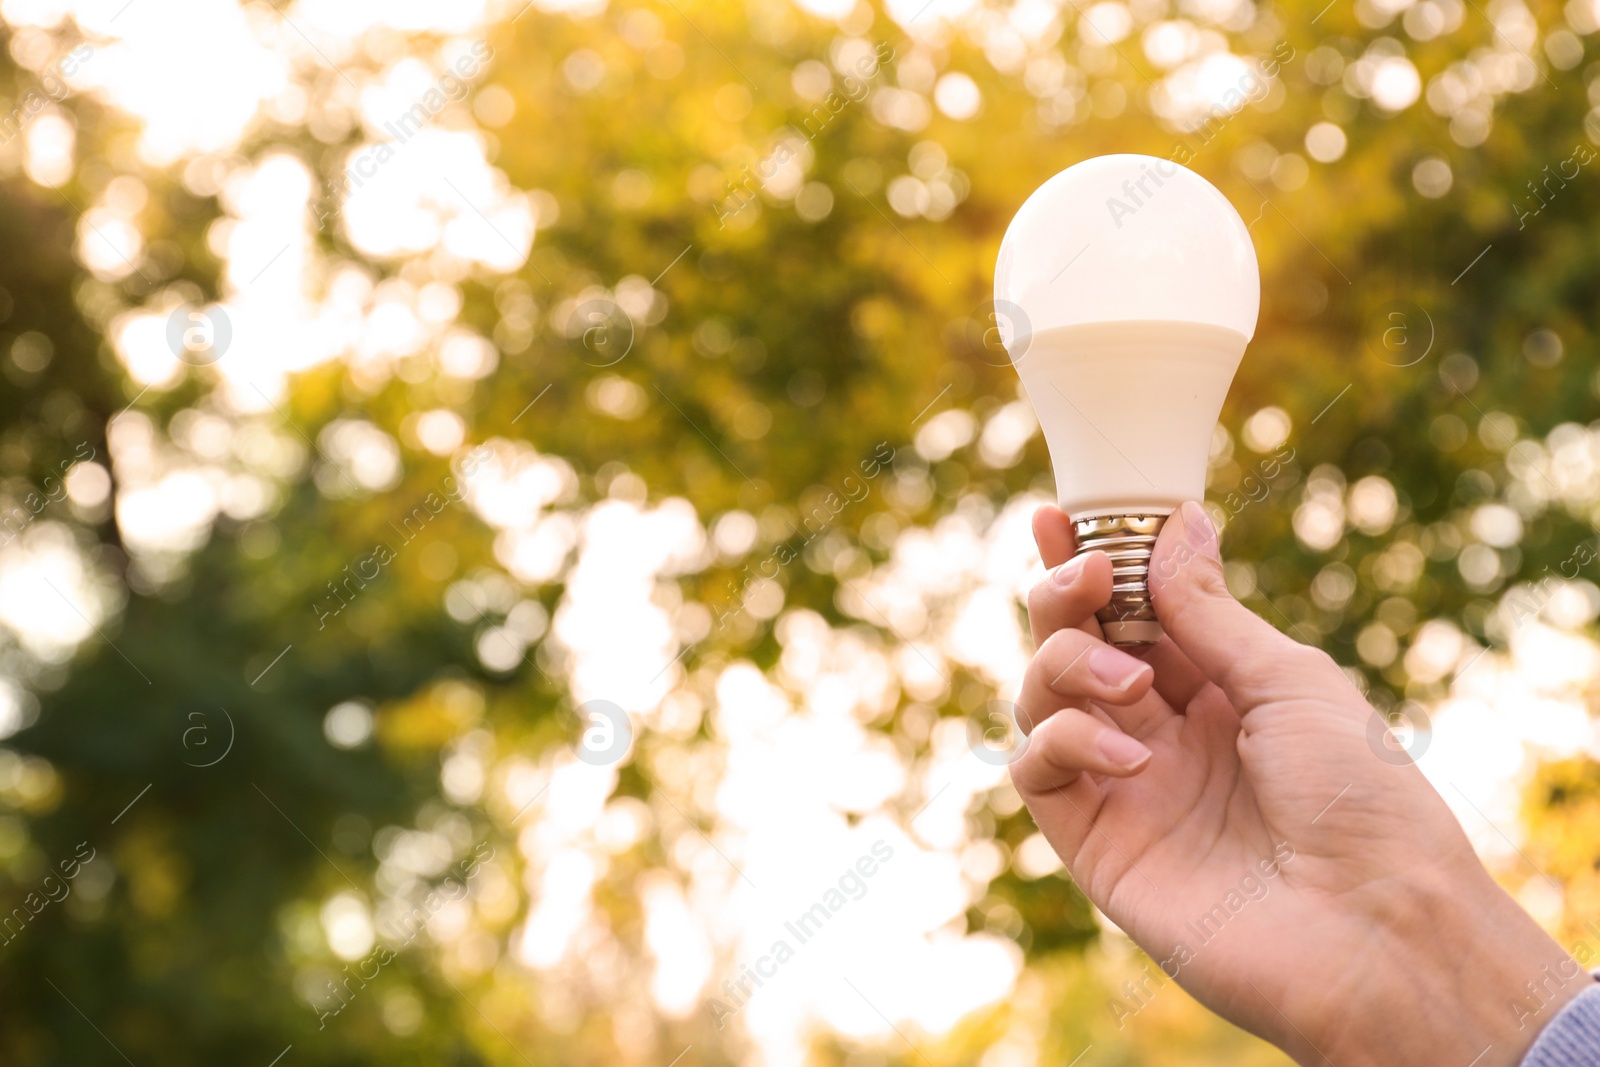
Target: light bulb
{"points": [[1125, 293]]}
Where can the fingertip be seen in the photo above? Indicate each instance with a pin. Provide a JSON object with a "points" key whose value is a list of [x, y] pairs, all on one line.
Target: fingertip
{"points": [[1070, 743], [1098, 568], [1227, 642], [1199, 530], [1052, 532], [1186, 554], [1123, 756], [1068, 596], [1091, 566], [1131, 693], [1125, 772], [1125, 679], [1084, 582]]}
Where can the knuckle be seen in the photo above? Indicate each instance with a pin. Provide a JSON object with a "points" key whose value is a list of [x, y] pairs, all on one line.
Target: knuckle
{"points": [[1301, 659], [1027, 779], [1175, 605], [1208, 579], [1316, 661], [1285, 665]]}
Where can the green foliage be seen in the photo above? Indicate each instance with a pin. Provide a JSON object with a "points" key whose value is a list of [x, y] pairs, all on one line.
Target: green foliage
{"points": [[788, 352]]}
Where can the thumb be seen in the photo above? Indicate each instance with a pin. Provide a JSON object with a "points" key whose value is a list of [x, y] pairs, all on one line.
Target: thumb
{"points": [[1247, 658]]}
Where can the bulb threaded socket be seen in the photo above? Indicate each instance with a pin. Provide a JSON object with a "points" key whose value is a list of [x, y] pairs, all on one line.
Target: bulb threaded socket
{"points": [[1129, 619]]}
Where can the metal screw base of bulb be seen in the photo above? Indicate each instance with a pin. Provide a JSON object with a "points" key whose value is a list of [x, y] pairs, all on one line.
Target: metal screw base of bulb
{"points": [[1129, 619]]}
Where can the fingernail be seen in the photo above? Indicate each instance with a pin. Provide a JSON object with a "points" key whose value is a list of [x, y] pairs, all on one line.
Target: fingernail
{"points": [[1114, 668], [1121, 750], [1067, 573], [1201, 533]]}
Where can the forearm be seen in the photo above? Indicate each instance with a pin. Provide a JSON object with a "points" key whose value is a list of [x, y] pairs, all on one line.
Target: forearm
{"points": [[1462, 976]]}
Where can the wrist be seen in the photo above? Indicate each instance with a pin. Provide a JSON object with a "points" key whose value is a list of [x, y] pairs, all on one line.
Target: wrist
{"points": [[1465, 976]]}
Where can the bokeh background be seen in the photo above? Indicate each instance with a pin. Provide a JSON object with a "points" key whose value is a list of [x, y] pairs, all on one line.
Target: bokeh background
{"points": [[505, 504]]}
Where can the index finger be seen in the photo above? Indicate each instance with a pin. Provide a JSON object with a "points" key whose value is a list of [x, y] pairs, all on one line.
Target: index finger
{"points": [[1052, 605], [1069, 595], [1052, 532]]}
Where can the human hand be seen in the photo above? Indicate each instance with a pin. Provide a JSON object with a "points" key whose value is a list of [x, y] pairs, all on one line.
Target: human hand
{"points": [[1217, 798]]}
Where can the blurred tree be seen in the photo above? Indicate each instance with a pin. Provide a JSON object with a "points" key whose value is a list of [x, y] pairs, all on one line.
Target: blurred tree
{"points": [[778, 336]]}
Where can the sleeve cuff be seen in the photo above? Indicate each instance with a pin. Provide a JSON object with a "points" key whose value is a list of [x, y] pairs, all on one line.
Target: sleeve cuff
{"points": [[1572, 1038]]}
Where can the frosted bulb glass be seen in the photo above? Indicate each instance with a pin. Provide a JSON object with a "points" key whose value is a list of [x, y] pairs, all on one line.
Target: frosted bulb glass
{"points": [[1126, 291]]}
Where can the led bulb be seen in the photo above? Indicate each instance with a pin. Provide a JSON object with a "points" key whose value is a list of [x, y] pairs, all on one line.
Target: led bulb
{"points": [[1125, 292]]}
